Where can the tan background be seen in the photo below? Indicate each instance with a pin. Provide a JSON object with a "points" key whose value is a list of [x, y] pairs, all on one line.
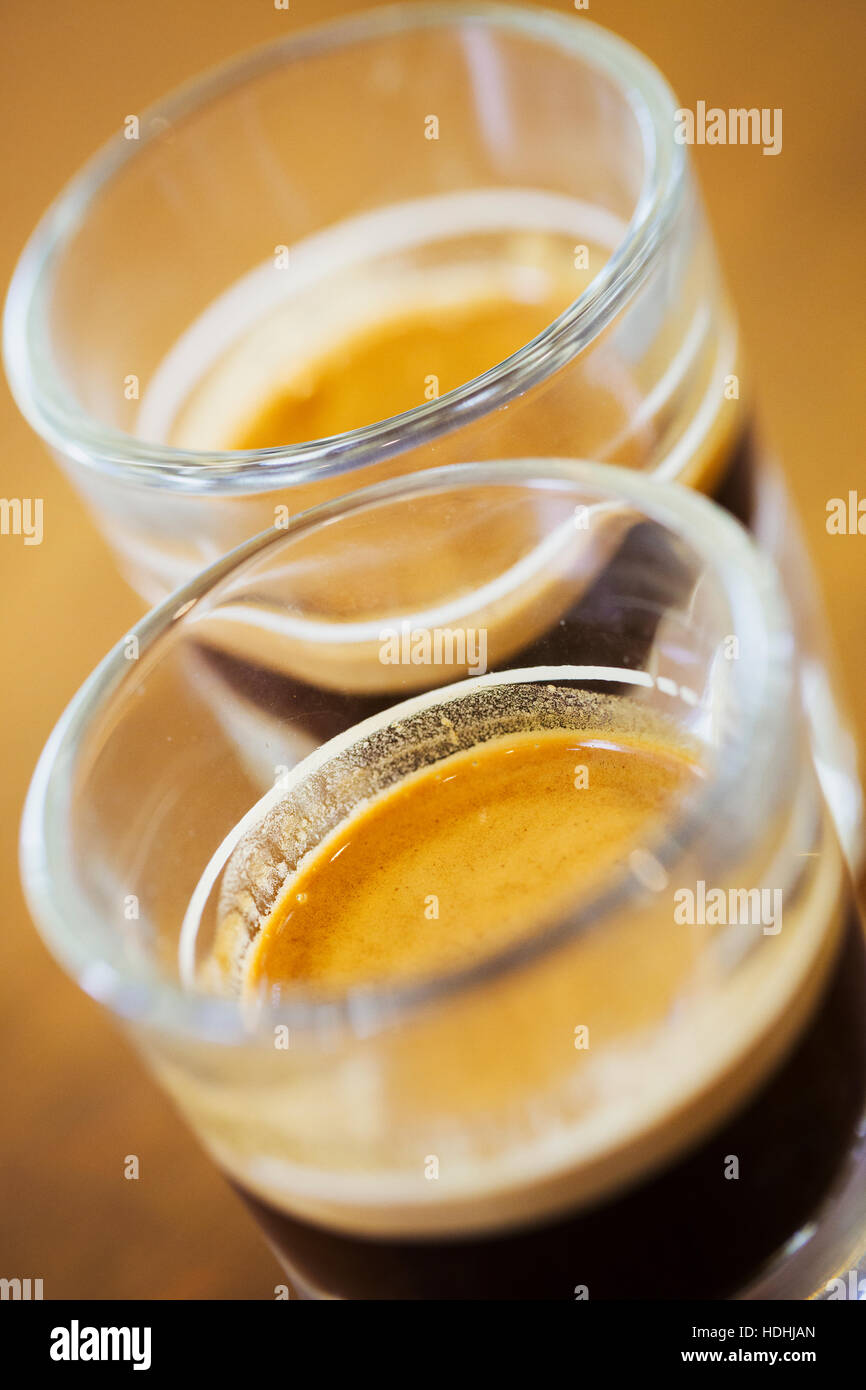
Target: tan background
{"points": [[790, 231]]}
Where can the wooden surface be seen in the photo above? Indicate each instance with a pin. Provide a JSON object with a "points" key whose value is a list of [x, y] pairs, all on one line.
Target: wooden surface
{"points": [[790, 231]]}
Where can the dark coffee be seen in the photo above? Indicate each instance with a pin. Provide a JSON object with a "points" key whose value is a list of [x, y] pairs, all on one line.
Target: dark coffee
{"points": [[685, 1233]]}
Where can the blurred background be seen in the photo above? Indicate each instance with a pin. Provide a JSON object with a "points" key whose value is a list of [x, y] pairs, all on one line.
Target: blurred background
{"points": [[75, 1100]]}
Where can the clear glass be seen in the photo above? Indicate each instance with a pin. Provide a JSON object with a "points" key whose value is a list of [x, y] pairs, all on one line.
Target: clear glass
{"points": [[159, 265], [388, 166], [243, 718]]}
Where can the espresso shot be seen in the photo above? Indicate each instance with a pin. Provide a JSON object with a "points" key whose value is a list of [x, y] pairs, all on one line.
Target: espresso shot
{"points": [[507, 932], [515, 913], [477, 852], [368, 344]]}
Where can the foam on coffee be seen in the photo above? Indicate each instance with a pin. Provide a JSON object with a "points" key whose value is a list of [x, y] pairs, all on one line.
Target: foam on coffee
{"points": [[565, 797], [352, 330], [458, 280], [463, 859]]}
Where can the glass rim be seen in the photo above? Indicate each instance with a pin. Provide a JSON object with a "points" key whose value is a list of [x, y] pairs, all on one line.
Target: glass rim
{"points": [[146, 997], [56, 417]]}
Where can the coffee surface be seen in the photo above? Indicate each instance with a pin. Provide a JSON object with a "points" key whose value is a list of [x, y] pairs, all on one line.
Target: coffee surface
{"points": [[371, 345], [465, 856], [396, 365]]}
